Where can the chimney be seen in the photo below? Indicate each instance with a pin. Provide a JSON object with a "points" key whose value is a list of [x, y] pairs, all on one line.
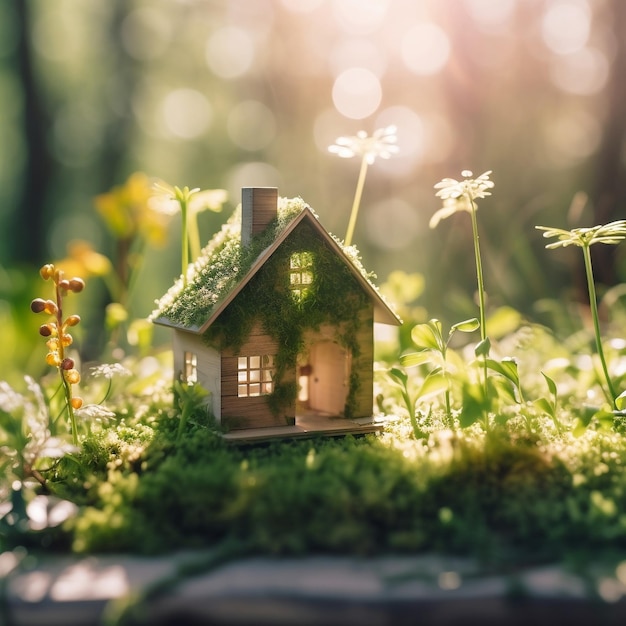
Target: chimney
{"points": [[259, 206]]}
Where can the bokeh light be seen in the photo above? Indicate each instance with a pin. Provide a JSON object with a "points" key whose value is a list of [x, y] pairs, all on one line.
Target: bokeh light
{"points": [[583, 72], [566, 26], [358, 17], [251, 125], [425, 48], [230, 52], [187, 114], [357, 93]]}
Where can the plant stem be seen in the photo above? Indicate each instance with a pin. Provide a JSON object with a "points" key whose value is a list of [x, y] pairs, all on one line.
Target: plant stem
{"points": [[481, 298], [596, 320], [185, 239], [479, 270], [357, 201], [193, 234], [67, 388]]}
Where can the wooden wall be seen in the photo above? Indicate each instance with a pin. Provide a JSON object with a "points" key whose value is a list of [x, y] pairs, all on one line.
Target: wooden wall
{"points": [[238, 413]]}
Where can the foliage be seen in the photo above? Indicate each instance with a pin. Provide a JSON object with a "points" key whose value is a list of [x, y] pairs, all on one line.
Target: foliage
{"points": [[609, 234]]}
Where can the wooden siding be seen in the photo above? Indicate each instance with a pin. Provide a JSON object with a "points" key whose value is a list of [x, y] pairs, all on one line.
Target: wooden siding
{"points": [[208, 366], [252, 412]]}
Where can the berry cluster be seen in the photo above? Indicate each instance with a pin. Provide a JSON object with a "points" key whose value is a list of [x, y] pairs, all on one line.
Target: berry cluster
{"points": [[56, 331]]}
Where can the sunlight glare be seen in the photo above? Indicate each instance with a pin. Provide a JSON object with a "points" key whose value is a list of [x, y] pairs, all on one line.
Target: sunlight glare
{"points": [[571, 137], [584, 72], [565, 26], [411, 135], [251, 174], [489, 13], [229, 52], [251, 125], [301, 6], [391, 224], [357, 93], [187, 113], [360, 17], [425, 48], [357, 53]]}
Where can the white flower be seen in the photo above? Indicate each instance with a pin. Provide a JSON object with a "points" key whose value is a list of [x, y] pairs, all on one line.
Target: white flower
{"points": [[95, 412], [459, 195], [381, 144], [109, 370], [166, 199]]}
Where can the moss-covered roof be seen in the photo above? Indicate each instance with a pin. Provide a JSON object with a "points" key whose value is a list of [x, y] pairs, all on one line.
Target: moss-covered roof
{"points": [[224, 267]]}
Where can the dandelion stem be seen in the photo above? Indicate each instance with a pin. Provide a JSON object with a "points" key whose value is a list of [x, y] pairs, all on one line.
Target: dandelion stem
{"points": [[185, 239], [479, 270], [596, 322], [357, 201]]}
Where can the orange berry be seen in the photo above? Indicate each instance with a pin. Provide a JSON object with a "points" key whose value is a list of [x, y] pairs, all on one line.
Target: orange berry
{"points": [[72, 376], [64, 284], [66, 340], [45, 330], [72, 320], [76, 402], [53, 344], [76, 284], [37, 305], [58, 276], [47, 271], [52, 358], [50, 307]]}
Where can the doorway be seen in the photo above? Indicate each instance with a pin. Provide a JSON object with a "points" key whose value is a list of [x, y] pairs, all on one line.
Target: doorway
{"points": [[328, 377]]}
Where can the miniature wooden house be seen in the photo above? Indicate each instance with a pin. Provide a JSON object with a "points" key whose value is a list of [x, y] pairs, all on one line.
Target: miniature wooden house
{"points": [[276, 319]]}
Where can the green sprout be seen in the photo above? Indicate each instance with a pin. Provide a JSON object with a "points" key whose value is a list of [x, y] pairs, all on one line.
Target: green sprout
{"points": [[433, 348], [190, 202], [380, 144], [58, 337], [610, 234]]}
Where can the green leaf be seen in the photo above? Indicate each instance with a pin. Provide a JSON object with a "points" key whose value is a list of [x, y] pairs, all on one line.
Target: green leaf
{"points": [[620, 401], [545, 406], [551, 384], [428, 336], [506, 367], [473, 405], [483, 348], [433, 384], [399, 376], [503, 389], [466, 326], [417, 358]]}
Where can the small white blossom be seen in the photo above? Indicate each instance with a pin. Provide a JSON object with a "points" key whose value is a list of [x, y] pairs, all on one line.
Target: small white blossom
{"points": [[459, 195], [381, 144], [109, 370], [95, 412]]}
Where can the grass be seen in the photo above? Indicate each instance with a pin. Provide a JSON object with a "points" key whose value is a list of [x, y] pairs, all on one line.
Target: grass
{"points": [[510, 496]]}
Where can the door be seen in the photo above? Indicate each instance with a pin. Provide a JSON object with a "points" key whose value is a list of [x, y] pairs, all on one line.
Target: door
{"points": [[329, 378]]}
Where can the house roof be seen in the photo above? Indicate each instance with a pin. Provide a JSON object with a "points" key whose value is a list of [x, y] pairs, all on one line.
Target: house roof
{"points": [[222, 271]]}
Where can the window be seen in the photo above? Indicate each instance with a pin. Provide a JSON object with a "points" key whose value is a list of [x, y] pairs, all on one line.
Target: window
{"points": [[300, 273], [190, 374], [254, 376]]}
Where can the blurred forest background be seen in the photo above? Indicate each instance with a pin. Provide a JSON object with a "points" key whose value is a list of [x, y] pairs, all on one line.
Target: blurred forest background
{"points": [[233, 93]]}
